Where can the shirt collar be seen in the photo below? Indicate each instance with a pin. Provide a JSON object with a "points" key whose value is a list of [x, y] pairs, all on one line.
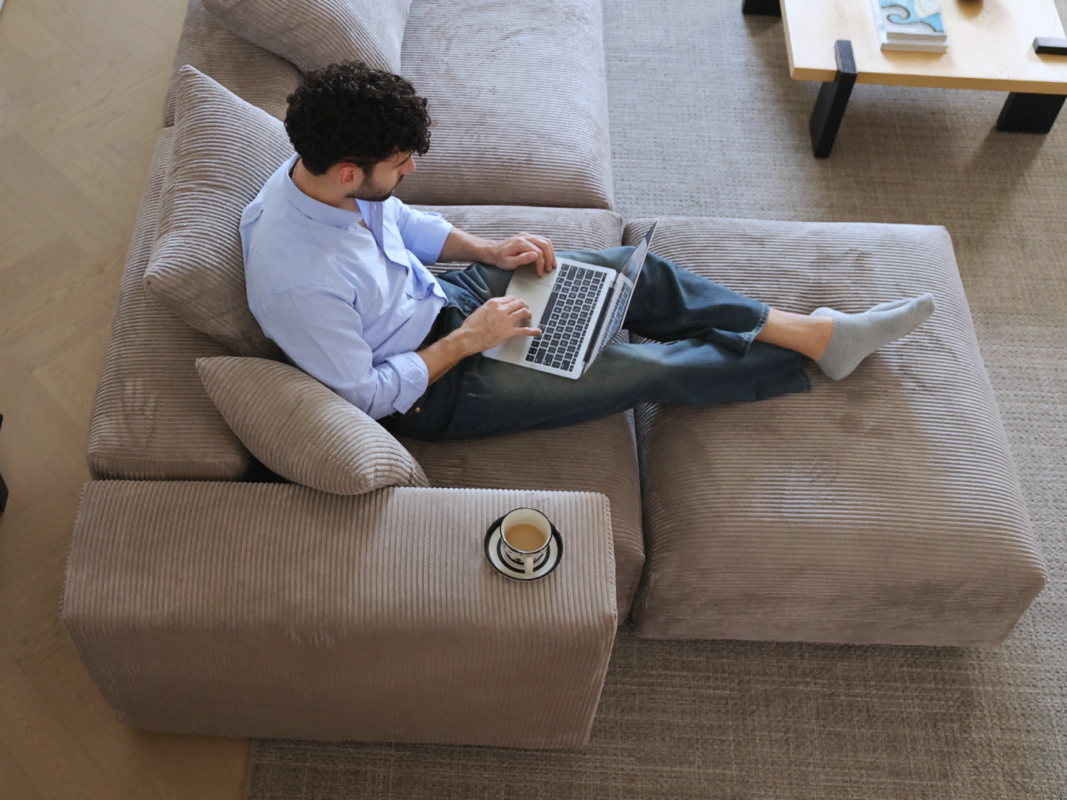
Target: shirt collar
{"points": [[316, 210]]}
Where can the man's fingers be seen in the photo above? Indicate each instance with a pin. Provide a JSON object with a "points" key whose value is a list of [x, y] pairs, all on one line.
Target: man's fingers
{"points": [[523, 258], [526, 332], [547, 250], [513, 305], [533, 251], [535, 255]]}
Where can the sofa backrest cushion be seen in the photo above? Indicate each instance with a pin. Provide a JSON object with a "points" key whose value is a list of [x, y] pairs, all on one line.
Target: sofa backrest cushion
{"points": [[315, 33], [303, 431], [254, 74], [520, 108], [223, 152]]}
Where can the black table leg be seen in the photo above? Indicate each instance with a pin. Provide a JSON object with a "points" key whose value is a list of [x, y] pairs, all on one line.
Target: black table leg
{"points": [[832, 100], [1029, 113], [767, 8]]}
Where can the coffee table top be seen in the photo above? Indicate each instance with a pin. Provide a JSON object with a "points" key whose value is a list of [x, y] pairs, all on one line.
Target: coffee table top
{"points": [[990, 46]]}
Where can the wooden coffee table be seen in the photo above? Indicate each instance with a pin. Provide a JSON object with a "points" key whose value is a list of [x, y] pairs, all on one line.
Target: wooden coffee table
{"points": [[991, 47]]}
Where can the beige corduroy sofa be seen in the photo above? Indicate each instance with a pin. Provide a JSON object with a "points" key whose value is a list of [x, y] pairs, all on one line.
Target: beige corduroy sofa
{"points": [[208, 595]]}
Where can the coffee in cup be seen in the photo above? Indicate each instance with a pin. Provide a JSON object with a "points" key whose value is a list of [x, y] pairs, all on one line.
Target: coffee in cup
{"points": [[525, 536]]}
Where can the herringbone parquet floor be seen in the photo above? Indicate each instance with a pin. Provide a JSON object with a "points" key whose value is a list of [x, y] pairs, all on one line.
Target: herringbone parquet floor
{"points": [[81, 94]]}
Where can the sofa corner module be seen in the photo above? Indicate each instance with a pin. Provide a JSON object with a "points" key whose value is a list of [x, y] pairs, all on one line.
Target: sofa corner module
{"points": [[272, 610]]}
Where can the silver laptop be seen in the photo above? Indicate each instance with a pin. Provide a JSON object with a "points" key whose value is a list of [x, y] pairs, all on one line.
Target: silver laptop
{"points": [[579, 309]]}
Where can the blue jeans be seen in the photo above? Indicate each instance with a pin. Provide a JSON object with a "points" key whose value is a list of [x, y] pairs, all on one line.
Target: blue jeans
{"points": [[704, 355]]}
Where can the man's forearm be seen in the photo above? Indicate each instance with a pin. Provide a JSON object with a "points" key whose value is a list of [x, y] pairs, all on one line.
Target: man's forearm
{"points": [[445, 353], [463, 246]]}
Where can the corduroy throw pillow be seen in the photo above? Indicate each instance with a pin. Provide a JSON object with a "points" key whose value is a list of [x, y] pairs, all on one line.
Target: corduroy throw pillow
{"points": [[223, 152], [315, 33], [302, 430]]}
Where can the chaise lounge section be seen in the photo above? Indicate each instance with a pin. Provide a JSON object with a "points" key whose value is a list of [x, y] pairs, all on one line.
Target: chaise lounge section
{"points": [[883, 508]]}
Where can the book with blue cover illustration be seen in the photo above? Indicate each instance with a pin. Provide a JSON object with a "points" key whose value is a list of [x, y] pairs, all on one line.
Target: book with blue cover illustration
{"points": [[910, 25]]}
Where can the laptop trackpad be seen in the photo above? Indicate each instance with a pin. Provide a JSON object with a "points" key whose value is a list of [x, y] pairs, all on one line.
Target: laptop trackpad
{"points": [[535, 290]]}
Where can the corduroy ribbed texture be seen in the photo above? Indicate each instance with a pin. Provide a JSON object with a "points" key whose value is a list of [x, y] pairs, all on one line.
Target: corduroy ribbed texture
{"points": [[274, 610], [223, 152], [519, 100], [255, 75], [599, 456], [882, 508], [151, 417], [315, 33], [303, 431], [568, 228]]}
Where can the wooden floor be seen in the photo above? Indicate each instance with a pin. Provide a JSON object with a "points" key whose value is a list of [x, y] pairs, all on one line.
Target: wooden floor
{"points": [[81, 96]]}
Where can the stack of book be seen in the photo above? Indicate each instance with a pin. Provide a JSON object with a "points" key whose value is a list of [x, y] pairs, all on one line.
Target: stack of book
{"points": [[910, 25]]}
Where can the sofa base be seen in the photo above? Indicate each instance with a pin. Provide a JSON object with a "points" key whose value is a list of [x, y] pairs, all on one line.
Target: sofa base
{"points": [[277, 611]]}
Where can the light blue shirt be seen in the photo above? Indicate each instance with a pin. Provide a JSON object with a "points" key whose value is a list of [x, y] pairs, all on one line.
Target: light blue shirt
{"points": [[347, 304]]}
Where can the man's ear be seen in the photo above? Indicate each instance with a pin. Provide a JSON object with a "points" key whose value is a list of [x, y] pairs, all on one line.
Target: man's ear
{"points": [[349, 175]]}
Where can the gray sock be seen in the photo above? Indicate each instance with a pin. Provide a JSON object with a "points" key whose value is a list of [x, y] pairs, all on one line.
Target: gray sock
{"points": [[856, 336]]}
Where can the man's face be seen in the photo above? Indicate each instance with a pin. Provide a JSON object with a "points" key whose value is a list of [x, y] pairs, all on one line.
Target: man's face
{"points": [[382, 181]]}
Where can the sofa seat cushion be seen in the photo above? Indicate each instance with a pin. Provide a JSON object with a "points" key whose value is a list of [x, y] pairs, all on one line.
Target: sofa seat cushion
{"points": [[315, 33], [255, 75], [151, 418], [598, 456], [881, 508], [518, 95], [303, 431], [223, 152]]}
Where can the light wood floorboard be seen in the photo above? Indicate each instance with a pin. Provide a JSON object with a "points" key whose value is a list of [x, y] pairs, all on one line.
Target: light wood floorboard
{"points": [[81, 97]]}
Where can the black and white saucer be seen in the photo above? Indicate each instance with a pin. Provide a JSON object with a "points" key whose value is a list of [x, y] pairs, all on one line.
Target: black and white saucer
{"points": [[494, 551]]}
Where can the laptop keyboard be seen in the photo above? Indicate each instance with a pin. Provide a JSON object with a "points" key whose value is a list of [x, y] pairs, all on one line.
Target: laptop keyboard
{"points": [[566, 317]]}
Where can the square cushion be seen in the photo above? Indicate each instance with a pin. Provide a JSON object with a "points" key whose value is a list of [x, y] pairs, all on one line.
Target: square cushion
{"points": [[598, 456], [881, 508], [315, 33], [255, 75], [223, 151], [518, 95], [303, 431]]}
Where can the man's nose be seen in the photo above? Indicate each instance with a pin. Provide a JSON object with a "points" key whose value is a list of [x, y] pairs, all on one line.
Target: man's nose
{"points": [[410, 166]]}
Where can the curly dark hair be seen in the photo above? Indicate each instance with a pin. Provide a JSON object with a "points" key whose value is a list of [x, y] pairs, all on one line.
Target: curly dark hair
{"points": [[352, 113]]}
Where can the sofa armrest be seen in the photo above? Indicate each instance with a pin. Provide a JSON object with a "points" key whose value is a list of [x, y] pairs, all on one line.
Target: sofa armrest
{"points": [[274, 610]]}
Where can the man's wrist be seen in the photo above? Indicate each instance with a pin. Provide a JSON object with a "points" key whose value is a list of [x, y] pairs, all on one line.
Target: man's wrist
{"points": [[458, 344], [487, 252]]}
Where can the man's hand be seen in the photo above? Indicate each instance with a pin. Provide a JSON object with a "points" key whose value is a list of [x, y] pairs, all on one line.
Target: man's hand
{"points": [[524, 248], [498, 320]]}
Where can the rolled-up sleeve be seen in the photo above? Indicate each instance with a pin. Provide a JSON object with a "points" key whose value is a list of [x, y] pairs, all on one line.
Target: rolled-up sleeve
{"points": [[322, 333], [423, 232]]}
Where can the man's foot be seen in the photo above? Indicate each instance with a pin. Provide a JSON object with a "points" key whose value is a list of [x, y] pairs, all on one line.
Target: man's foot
{"points": [[856, 336]]}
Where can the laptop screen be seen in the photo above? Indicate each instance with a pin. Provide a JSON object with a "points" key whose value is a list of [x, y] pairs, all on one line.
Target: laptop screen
{"points": [[614, 312], [633, 267]]}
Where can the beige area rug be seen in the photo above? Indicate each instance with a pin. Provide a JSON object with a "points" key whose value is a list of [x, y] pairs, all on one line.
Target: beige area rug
{"points": [[706, 121]]}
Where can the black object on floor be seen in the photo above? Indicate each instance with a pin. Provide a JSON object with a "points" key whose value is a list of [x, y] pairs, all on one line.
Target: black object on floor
{"points": [[768, 8], [3, 486]]}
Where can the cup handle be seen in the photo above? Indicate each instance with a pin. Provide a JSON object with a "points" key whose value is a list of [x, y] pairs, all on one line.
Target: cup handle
{"points": [[528, 563]]}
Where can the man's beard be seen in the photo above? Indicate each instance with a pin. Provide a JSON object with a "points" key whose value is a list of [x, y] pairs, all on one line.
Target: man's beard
{"points": [[369, 193]]}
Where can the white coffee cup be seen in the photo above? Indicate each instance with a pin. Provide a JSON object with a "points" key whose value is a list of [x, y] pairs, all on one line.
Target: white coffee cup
{"points": [[525, 535]]}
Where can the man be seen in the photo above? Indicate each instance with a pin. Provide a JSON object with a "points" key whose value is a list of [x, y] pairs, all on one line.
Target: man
{"points": [[335, 276]]}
